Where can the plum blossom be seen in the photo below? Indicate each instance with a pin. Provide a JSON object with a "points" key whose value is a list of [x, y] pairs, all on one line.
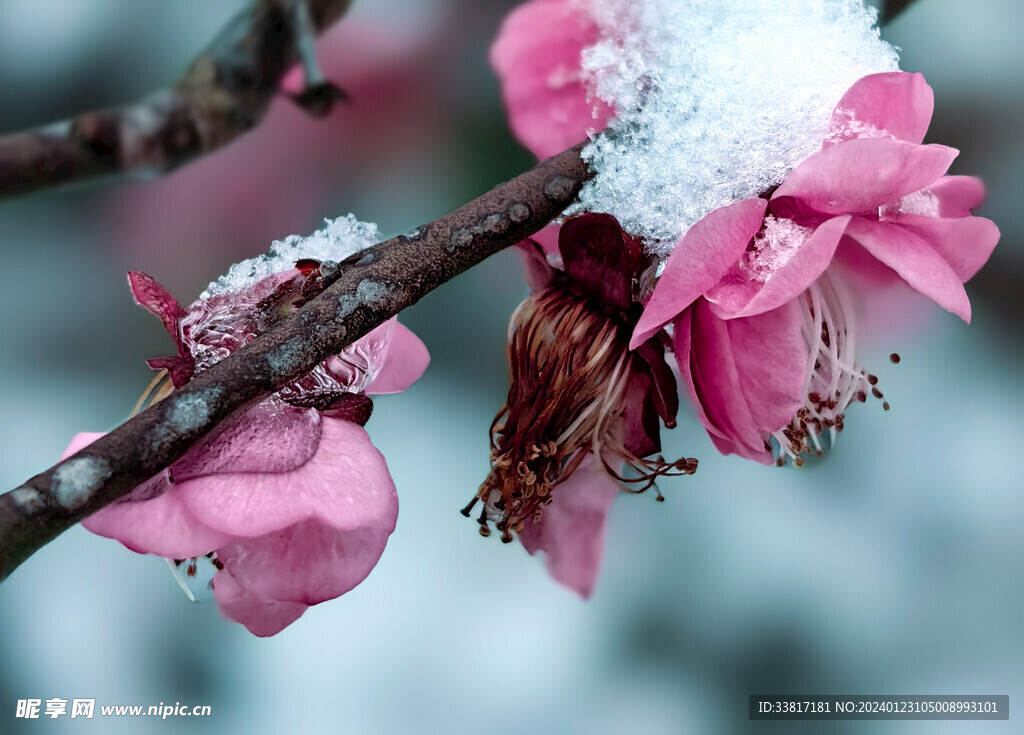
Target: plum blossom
{"points": [[584, 411], [537, 55], [758, 290], [289, 499]]}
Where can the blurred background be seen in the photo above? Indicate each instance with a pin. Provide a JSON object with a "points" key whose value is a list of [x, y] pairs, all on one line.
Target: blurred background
{"points": [[893, 567]]}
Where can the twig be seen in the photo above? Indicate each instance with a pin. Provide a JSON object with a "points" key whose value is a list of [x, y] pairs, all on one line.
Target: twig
{"points": [[371, 287], [223, 94], [890, 10]]}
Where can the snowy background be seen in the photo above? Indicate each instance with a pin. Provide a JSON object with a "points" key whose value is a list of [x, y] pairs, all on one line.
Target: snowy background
{"points": [[894, 567]]}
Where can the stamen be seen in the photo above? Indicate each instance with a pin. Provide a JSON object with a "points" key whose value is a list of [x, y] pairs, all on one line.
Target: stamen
{"points": [[833, 379], [571, 369], [158, 389]]}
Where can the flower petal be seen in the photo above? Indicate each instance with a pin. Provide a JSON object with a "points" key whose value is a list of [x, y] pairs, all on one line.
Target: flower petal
{"points": [[600, 258], [958, 195], [161, 525], [536, 269], [154, 298], [262, 618], [707, 367], [307, 563], [537, 56], [406, 361], [771, 359], [738, 298], [915, 261], [895, 102], [272, 436], [571, 532], [964, 242], [864, 174], [345, 484], [702, 257]]}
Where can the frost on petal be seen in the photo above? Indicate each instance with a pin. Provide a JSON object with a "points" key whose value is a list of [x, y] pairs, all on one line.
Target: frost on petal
{"points": [[704, 255], [864, 174], [896, 103], [272, 436], [571, 531], [965, 243], [345, 484], [537, 56], [915, 261], [159, 525], [777, 269], [262, 617], [406, 360]]}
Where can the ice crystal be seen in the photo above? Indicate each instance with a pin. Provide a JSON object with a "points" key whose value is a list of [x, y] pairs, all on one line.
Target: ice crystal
{"points": [[715, 101], [338, 239]]}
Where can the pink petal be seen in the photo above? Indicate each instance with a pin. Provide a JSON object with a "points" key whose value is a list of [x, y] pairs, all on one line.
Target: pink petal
{"points": [[262, 618], [744, 376], [869, 272], [272, 436], [958, 195], [916, 262], [897, 102], [707, 367], [864, 174], [155, 299], [537, 57], [406, 361], [547, 238], [536, 269], [571, 532], [747, 297], [307, 563], [964, 242], [162, 525], [345, 484], [771, 359], [701, 258]]}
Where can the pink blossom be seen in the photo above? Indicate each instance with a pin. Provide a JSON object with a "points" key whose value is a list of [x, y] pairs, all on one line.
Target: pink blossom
{"points": [[583, 413], [763, 282], [290, 499], [537, 55]]}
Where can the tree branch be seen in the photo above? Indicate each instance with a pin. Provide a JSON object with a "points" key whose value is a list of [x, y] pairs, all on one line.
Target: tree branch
{"points": [[890, 10], [223, 94], [371, 287]]}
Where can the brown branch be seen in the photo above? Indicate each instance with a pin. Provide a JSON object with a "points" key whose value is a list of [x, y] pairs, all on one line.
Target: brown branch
{"points": [[223, 94], [371, 287], [890, 10]]}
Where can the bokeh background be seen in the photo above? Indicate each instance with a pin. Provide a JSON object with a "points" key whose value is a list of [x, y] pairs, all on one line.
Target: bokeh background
{"points": [[894, 567]]}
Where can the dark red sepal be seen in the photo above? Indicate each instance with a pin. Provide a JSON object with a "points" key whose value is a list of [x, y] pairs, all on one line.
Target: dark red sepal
{"points": [[600, 259]]}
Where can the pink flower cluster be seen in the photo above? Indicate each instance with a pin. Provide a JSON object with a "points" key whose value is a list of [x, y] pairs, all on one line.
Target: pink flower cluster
{"points": [[290, 499], [761, 294]]}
